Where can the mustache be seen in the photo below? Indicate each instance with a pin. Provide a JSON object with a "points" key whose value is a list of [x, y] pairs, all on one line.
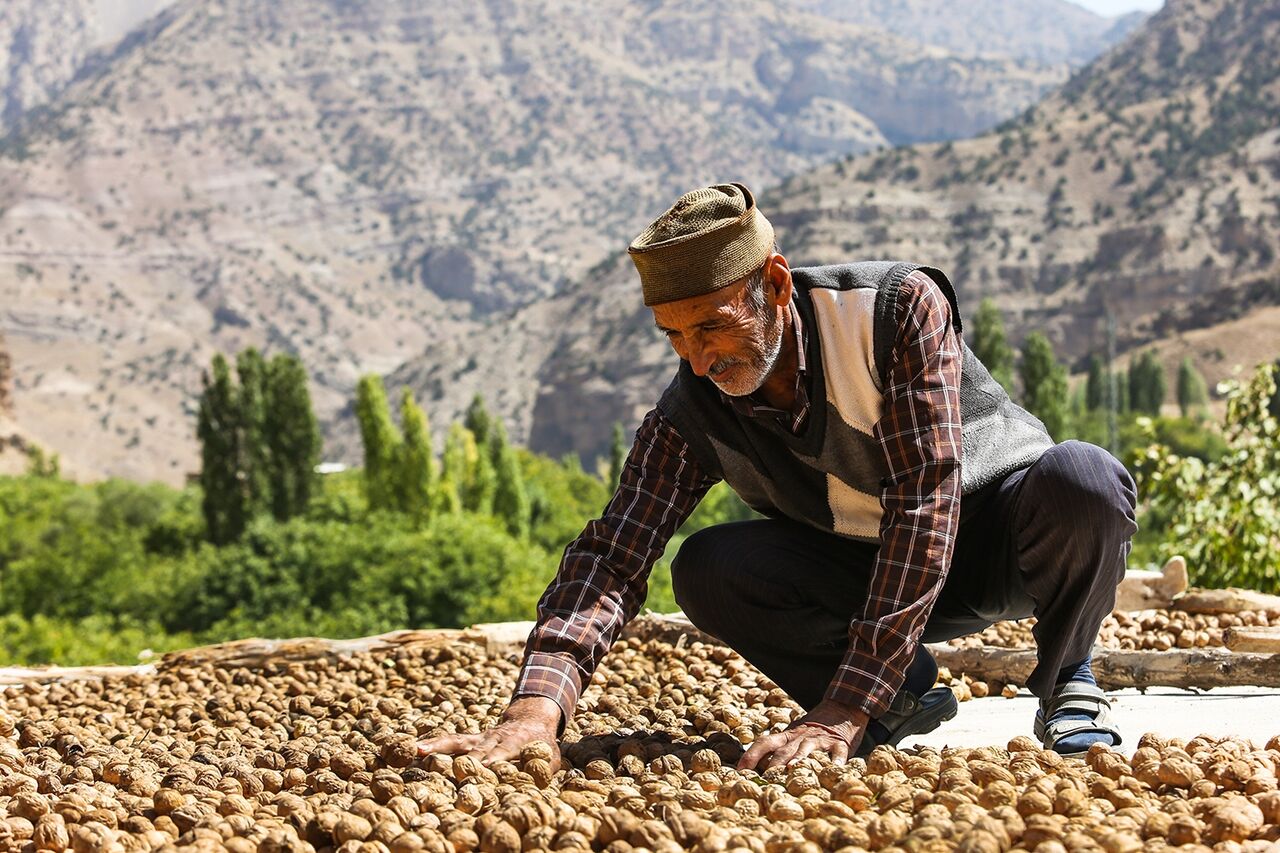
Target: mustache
{"points": [[722, 365]]}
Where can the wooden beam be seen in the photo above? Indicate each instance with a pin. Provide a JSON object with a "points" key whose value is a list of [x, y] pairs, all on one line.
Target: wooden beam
{"points": [[1263, 640], [1117, 668], [1229, 600]]}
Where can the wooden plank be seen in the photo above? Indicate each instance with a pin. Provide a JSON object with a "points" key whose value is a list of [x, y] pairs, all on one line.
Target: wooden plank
{"points": [[1247, 639], [1229, 600], [1117, 668]]}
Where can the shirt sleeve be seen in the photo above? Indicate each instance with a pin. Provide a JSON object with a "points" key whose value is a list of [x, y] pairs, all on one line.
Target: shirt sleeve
{"points": [[603, 576], [919, 432]]}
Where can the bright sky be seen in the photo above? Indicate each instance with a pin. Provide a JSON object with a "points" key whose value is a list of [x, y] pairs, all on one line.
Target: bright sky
{"points": [[1111, 8]]}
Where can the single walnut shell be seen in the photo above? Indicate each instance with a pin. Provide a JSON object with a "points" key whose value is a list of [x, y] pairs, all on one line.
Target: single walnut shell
{"points": [[351, 827]]}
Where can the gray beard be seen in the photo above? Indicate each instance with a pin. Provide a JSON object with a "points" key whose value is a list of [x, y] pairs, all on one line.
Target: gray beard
{"points": [[767, 341]]}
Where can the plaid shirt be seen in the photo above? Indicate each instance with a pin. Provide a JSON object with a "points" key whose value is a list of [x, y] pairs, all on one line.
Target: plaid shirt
{"points": [[602, 578]]}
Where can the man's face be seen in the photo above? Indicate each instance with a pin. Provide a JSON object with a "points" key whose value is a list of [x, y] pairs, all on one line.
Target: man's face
{"points": [[725, 337]]}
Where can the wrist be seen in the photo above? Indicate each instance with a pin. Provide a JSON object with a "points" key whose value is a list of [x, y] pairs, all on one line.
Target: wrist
{"points": [[534, 710]]}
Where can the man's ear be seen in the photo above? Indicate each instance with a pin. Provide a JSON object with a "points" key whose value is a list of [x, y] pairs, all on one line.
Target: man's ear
{"points": [[777, 273]]}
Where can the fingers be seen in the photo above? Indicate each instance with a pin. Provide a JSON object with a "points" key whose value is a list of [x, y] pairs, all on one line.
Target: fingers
{"points": [[505, 749], [448, 744], [762, 747], [840, 753], [808, 745]]}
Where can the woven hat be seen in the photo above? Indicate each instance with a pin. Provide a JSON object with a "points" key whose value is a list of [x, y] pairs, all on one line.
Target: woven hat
{"points": [[708, 239]]}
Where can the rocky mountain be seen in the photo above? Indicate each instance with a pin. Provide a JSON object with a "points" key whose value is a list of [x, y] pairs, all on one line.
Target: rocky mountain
{"points": [[1147, 188], [1052, 31], [358, 182], [43, 43]]}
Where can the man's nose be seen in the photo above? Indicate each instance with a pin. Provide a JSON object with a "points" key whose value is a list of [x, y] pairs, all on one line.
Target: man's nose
{"points": [[701, 359]]}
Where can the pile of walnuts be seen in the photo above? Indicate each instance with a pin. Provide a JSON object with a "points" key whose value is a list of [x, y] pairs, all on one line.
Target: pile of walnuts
{"points": [[321, 756], [1151, 630]]}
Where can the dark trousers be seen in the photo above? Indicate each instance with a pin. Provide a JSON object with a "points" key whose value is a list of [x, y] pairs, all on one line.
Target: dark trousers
{"points": [[1050, 540]]}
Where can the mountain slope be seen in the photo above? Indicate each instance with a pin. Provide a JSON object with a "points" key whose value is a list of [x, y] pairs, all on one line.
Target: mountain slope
{"points": [[1148, 187], [1050, 31], [357, 182], [42, 45]]}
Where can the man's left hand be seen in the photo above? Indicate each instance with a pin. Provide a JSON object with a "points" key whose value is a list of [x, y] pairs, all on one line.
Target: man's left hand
{"points": [[831, 727]]}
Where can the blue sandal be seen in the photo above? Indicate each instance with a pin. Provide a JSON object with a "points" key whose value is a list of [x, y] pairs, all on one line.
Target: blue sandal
{"points": [[1079, 697]]}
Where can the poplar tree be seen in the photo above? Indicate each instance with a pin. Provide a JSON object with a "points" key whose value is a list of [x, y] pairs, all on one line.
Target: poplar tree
{"points": [[1095, 389], [1044, 383], [218, 429], [453, 470], [293, 437], [1273, 407], [991, 345], [1146, 384], [480, 483], [511, 500], [415, 467], [255, 455], [381, 442], [617, 455], [479, 421], [1191, 387]]}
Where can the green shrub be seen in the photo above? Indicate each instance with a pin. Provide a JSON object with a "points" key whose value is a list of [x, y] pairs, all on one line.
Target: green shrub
{"points": [[1223, 515]]}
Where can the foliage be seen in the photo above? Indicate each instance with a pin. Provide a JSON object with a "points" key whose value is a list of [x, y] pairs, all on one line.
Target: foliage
{"points": [[510, 499], [381, 440], [1044, 384], [1192, 392], [990, 344], [1224, 516], [217, 428], [1147, 385], [293, 437], [259, 442], [415, 467], [617, 455]]}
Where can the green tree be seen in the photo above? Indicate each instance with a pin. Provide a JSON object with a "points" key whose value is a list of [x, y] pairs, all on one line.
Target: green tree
{"points": [[1044, 383], [991, 345], [453, 469], [1224, 515], [511, 500], [1274, 406], [479, 421], [617, 455], [1095, 393], [218, 430], [43, 464], [381, 442], [481, 481], [415, 467], [255, 453], [1146, 384], [1191, 388], [293, 437]]}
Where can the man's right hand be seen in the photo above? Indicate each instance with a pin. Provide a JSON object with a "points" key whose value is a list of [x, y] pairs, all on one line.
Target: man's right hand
{"points": [[527, 719]]}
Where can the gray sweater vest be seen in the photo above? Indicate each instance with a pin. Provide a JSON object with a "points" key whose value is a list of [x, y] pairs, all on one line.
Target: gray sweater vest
{"points": [[832, 474]]}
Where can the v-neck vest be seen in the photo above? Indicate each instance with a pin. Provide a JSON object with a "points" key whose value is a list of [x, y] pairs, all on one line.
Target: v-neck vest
{"points": [[832, 473]]}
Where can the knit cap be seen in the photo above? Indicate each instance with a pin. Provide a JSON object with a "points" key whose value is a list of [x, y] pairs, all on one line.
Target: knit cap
{"points": [[708, 239]]}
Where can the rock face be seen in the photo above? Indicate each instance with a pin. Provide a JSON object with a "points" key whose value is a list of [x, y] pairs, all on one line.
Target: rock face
{"points": [[42, 46], [358, 182], [1053, 31], [1145, 188]]}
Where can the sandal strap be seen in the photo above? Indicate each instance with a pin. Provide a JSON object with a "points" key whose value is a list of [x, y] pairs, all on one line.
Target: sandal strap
{"points": [[1080, 697], [1076, 696]]}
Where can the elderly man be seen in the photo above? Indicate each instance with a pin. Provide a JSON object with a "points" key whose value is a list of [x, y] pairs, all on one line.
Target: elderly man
{"points": [[907, 500]]}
